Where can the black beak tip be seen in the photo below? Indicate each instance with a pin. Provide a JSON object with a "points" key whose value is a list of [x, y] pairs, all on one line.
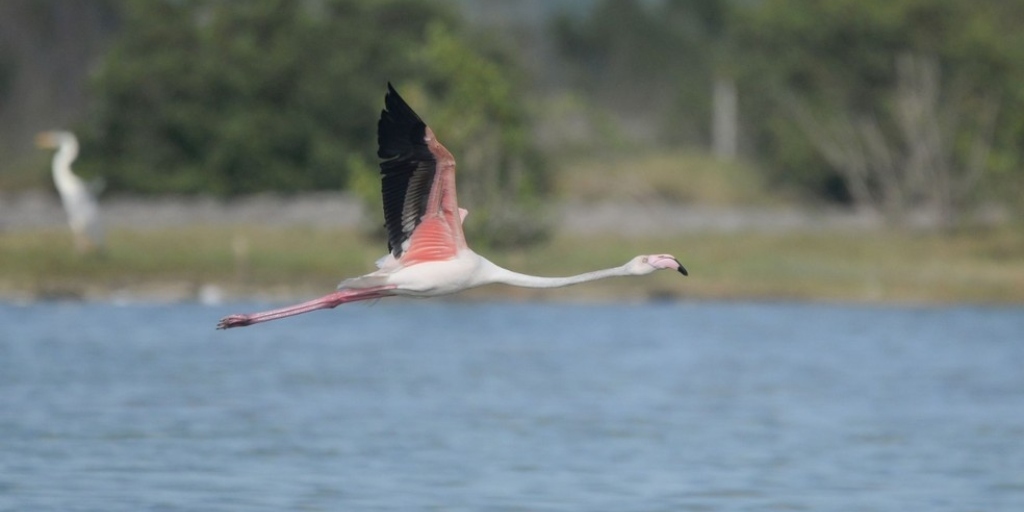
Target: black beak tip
{"points": [[682, 269]]}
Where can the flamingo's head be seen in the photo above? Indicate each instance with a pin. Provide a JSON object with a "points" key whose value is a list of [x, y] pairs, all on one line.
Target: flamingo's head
{"points": [[648, 263]]}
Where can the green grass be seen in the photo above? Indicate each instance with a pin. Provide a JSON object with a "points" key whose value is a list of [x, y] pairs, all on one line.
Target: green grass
{"points": [[979, 266], [671, 176], [986, 266]]}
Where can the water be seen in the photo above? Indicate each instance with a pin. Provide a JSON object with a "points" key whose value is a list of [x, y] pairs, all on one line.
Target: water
{"points": [[427, 405]]}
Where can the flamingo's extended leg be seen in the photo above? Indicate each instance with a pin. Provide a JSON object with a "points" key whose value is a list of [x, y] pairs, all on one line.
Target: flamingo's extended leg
{"points": [[328, 301]]}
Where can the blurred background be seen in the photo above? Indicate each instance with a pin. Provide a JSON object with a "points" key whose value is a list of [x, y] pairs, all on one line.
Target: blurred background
{"points": [[856, 150]]}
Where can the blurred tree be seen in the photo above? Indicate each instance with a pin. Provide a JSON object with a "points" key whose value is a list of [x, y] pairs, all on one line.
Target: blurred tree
{"points": [[482, 115], [279, 95], [240, 97], [903, 102], [662, 60], [474, 102], [46, 49]]}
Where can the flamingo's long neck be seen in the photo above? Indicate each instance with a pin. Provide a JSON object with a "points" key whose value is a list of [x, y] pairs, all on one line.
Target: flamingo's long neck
{"points": [[496, 274]]}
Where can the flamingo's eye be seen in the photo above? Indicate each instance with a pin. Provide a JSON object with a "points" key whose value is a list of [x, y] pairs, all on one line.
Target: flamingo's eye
{"points": [[644, 259]]}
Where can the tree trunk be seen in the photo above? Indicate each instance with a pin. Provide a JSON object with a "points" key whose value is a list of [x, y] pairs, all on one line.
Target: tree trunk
{"points": [[725, 131]]}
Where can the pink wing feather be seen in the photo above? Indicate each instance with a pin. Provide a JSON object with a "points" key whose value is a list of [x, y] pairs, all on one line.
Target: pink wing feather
{"points": [[421, 212]]}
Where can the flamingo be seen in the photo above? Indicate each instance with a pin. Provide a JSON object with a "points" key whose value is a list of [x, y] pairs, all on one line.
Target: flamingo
{"points": [[428, 255], [77, 197]]}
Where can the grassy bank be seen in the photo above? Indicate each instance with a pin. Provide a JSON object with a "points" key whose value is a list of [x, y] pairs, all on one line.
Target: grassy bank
{"points": [[970, 266]]}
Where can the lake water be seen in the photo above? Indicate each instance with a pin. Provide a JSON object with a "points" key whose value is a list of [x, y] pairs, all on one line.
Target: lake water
{"points": [[449, 406]]}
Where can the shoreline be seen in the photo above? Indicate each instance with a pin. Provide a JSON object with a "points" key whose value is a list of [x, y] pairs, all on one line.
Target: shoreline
{"points": [[279, 249], [215, 296]]}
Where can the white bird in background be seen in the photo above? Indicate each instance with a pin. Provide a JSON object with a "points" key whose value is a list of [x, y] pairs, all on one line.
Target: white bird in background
{"points": [[78, 197], [428, 251]]}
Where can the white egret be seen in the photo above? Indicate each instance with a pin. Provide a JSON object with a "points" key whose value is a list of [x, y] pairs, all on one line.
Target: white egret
{"points": [[79, 198]]}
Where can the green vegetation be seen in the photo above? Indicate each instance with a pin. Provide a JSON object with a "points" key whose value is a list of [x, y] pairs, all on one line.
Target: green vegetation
{"points": [[910, 104], [230, 98], [904, 107], [669, 176], [971, 266], [894, 105]]}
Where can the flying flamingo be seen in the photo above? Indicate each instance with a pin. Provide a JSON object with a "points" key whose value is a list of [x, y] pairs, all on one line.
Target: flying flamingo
{"points": [[79, 198], [428, 251]]}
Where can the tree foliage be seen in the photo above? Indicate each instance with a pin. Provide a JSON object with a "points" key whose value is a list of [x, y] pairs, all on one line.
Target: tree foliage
{"points": [[654, 63], [484, 122], [891, 104], [826, 104], [475, 104], [46, 47], [904, 102], [231, 98]]}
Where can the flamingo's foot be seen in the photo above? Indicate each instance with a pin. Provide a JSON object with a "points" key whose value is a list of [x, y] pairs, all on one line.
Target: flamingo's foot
{"points": [[234, 321]]}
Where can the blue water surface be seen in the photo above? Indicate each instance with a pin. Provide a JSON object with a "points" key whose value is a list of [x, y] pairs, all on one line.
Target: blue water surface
{"points": [[455, 406]]}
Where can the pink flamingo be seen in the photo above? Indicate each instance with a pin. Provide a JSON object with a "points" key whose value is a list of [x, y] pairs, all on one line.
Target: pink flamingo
{"points": [[428, 251]]}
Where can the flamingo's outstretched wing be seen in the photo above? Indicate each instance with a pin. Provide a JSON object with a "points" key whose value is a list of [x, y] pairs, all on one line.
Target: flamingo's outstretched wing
{"points": [[421, 213]]}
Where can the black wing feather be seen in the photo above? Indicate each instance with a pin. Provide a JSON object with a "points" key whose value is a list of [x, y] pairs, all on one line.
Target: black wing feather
{"points": [[407, 169]]}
